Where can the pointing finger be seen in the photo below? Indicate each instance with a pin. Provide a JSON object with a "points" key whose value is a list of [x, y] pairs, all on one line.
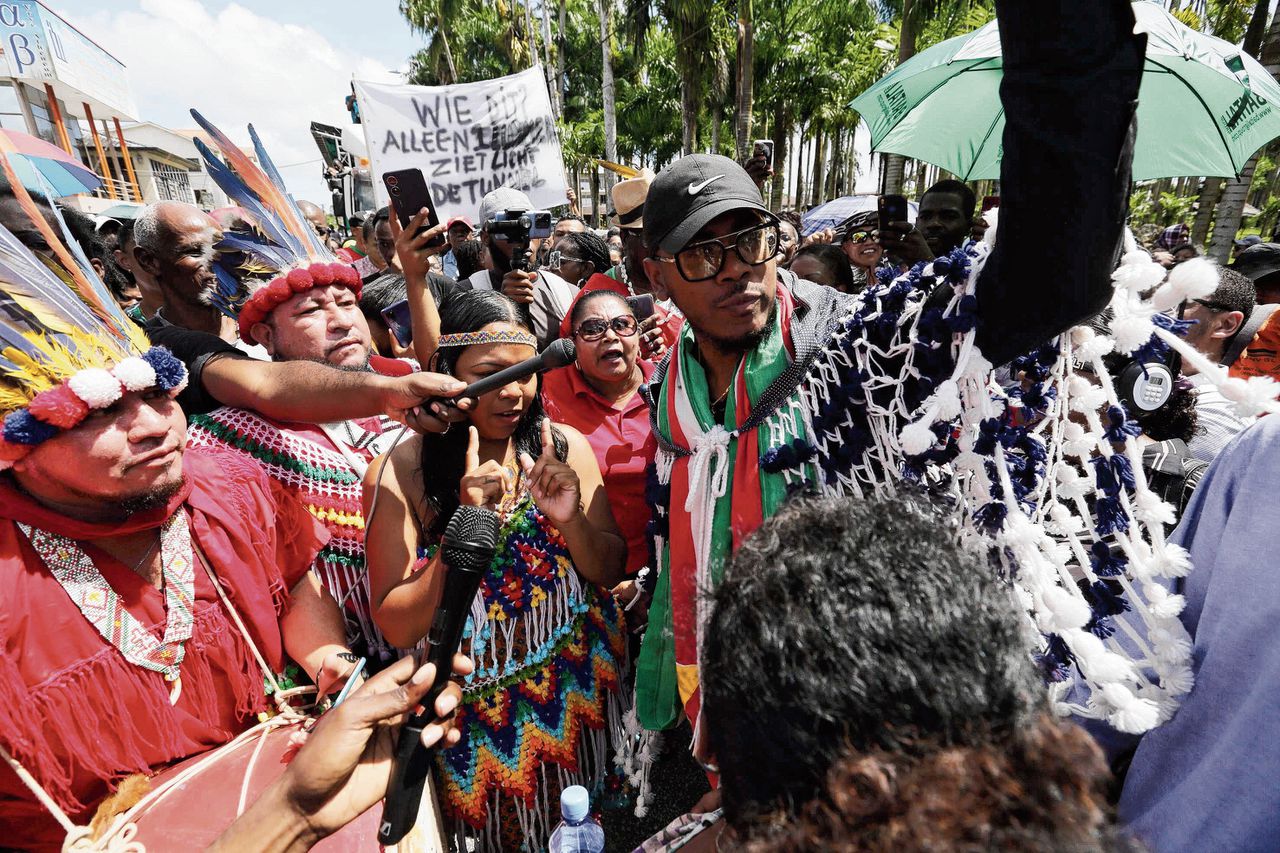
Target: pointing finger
{"points": [[548, 444], [473, 449]]}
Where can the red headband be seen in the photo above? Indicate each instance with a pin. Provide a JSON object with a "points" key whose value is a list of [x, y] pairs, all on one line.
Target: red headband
{"points": [[268, 298]]}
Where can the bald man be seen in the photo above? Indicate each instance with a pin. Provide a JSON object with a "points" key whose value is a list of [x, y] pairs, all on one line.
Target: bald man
{"points": [[174, 245], [315, 214]]}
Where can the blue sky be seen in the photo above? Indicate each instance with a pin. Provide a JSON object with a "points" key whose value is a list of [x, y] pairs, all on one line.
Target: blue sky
{"points": [[279, 65]]}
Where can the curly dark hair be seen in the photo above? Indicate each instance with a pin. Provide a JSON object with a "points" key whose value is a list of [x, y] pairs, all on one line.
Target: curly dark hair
{"points": [[862, 623], [1034, 790]]}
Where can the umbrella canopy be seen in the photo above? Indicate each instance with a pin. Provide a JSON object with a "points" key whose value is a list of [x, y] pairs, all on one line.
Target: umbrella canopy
{"points": [[831, 213], [123, 210], [1204, 106], [42, 167]]}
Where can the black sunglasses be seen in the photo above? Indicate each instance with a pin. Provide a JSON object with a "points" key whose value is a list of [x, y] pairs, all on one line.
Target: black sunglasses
{"points": [[703, 261], [624, 326]]}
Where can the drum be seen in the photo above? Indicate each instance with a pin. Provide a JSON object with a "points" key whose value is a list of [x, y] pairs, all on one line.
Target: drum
{"points": [[191, 803]]}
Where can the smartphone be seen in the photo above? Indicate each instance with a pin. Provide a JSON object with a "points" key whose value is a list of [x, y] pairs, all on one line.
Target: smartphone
{"points": [[641, 306], [765, 147], [399, 321], [409, 193], [892, 208], [990, 202]]}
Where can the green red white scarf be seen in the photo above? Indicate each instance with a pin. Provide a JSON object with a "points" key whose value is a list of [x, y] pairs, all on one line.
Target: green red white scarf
{"points": [[98, 602], [719, 495]]}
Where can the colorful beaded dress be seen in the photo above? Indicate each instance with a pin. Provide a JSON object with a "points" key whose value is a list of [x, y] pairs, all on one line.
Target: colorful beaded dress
{"points": [[543, 709]]}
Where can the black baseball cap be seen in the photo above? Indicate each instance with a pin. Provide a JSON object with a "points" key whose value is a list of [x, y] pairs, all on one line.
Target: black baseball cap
{"points": [[1258, 261], [691, 192]]}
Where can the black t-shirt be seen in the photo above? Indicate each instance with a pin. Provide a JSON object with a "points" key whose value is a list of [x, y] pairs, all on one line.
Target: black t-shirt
{"points": [[195, 350]]}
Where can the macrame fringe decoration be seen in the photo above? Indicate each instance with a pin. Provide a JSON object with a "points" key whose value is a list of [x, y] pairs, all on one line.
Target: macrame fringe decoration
{"points": [[1048, 469]]}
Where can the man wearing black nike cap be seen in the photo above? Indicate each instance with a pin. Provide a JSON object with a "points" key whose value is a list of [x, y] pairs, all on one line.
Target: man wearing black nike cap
{"points": [[744, 410]]}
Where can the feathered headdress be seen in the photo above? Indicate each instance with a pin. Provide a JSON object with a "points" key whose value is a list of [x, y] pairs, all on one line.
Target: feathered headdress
{"points": [[285, 249], [66, 348]]}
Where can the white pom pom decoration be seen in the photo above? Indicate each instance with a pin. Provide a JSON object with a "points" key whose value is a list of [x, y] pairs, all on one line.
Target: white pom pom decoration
{"points": [[1171, 561], [947, 399], [1151, 509], [1095, 348], [917, 438], [96, 387], [1132, 715], [135, 374], [1196, 278], [1138, 273], [1066, 611], [1131, 332]]}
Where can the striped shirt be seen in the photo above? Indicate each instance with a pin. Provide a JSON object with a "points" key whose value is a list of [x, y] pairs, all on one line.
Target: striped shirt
{"points": [[1218, 421]]}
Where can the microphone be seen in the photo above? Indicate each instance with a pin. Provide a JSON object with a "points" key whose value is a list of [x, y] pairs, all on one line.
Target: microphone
{"points": [[466, 550], [557, 354]]}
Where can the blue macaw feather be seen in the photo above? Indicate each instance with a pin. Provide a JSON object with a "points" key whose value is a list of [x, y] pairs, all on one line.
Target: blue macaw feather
{"points": [[227, 296], [268, 254], [318, 249], [240, 192]]}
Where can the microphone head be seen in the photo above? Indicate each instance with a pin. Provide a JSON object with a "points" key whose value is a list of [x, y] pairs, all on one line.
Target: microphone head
{"points": [[470, 539], [558, 353]]}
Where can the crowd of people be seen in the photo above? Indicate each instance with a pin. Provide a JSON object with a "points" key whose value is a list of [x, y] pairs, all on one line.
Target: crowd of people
{"points": [[914, 535]]}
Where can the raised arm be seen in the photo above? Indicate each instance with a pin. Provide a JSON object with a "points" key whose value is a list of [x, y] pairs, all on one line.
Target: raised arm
{"points": [[415, 259], [1071, 74]]}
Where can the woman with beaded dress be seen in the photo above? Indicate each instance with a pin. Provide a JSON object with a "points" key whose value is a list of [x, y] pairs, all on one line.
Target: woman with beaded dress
{"points": [[543, 709]]}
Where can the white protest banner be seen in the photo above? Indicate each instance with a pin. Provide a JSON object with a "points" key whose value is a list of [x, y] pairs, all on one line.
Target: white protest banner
{"points": [[467, 139]]}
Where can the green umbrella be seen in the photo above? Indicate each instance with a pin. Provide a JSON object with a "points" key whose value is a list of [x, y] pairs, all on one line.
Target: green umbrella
{"points": [[1204, 107]]}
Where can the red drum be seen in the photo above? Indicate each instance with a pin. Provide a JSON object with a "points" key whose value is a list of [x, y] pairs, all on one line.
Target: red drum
{"points": [[190, 813]]}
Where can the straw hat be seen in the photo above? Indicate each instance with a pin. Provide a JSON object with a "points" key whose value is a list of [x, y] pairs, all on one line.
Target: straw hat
{"points": [[628, 201]]}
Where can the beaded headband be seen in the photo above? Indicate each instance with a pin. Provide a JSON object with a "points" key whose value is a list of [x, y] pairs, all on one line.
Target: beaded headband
{"points": [[270, 296], [67, 404], [466, 339]]}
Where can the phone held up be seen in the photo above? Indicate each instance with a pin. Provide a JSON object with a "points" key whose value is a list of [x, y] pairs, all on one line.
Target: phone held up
{"points": [[641, 306], [409, 193], [763, 147], [399, 321], [891, 209]]}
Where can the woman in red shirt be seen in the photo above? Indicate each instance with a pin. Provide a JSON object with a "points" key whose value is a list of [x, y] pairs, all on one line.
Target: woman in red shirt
{"points": [[598, 395]]}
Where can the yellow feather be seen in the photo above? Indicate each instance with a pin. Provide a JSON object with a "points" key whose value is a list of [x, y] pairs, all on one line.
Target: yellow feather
{"points": [[618, 168], [12, 397]]}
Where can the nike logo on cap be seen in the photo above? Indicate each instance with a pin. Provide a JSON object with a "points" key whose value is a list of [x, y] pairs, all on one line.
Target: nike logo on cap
{"points": [[694, 189]]}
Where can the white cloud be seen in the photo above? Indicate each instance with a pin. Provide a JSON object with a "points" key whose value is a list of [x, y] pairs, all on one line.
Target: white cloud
{"points": [[237, 67]]}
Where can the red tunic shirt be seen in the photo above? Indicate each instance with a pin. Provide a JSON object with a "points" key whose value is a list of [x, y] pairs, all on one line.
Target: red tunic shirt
{"points": [[79, 716], [623, 443]]}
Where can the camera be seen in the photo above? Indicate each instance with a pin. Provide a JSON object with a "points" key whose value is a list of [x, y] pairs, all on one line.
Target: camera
{"points": [[518, 227]]}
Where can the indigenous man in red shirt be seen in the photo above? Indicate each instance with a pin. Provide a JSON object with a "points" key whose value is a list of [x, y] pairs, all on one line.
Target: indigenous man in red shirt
{"points": [[121, 653], [310, 311]]}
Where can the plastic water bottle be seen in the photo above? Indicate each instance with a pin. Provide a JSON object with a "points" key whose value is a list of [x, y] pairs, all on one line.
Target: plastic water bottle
{"points": [[577, 832]]}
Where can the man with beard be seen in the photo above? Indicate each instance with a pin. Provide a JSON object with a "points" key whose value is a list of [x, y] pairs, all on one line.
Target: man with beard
{"points": [[174, 247], [777, 385], [322, 464], [143, 581], [943, 222]]}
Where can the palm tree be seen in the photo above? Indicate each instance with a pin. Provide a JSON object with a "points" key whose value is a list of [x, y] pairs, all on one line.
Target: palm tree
{"points": [[745, 77], [605, 9], [432, 18], [691, 23]]}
